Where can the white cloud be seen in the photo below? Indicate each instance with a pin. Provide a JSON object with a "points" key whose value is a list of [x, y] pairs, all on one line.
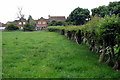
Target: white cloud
{"points": [[43, 8]]}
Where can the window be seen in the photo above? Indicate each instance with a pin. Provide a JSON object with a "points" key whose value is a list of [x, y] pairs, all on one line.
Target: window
{"points": [[20, 23], [44, 22], [39, 22], [24, 23]]}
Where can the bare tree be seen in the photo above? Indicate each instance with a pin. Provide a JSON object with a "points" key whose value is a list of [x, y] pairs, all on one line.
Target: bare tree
{"points": [[20, 16]]}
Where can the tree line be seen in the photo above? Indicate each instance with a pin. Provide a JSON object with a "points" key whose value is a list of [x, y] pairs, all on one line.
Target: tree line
{"points": [[80, 16]]}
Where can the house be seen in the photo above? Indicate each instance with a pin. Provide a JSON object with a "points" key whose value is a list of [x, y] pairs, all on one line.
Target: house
{"points": [[9, 22], [3, 25], [41, 23], [20, 23], [0, 24]]}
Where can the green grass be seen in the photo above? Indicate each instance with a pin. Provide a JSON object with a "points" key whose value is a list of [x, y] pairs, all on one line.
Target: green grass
{"points": [[0, 54], [43, 54]]}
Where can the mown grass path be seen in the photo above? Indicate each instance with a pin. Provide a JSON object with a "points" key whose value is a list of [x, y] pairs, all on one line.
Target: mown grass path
{"points": [[43, 54]]}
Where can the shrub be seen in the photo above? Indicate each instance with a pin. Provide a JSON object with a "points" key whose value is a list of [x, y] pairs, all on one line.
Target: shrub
{"points": [[56, 23], [11, 27], [55, 28], [28, 27]]}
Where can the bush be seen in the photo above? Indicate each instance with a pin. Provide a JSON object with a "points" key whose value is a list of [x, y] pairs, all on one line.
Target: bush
{"points": [[11, 27], [28, 27], [55, 28], [56, 23]]}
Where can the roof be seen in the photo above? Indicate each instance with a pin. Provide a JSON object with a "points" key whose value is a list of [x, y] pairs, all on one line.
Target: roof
{"points": [[40, 19], [9, 22], [47, 20], [22, 19], [61, 18]]}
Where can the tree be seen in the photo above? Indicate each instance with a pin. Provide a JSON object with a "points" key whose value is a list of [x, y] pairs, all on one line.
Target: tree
{"points": [[95, 11], [114, 8], [28, 27], [11, 27], [20, 16], [79, 16], [31, 20], [101, 11]]}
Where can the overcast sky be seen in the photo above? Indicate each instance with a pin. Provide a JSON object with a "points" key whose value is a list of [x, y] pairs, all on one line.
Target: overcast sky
{"points": [[43, 8]]}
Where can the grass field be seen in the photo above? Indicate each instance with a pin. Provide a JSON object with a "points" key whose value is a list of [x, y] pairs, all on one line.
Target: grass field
{"points": [[43, 54]]}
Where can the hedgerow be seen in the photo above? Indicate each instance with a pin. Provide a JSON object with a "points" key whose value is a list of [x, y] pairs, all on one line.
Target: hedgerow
{"points": [[101, 34]]}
